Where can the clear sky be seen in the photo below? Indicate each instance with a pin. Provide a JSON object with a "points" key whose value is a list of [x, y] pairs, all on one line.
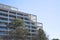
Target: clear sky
{"points": [[47, 11]]}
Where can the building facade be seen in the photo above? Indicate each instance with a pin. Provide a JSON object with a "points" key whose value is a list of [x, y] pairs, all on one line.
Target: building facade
{"points": [[7, 13], [39, 25]]}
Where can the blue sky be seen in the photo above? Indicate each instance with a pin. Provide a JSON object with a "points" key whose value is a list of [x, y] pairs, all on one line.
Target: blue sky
{"points": [[47, 11]]}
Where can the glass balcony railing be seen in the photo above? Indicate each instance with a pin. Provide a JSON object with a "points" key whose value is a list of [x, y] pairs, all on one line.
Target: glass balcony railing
{"points": [[3, 20], [3, 34], [26, 24], [3, 29], [12, 14], [26, 21], [3, 16], [12, 17], [3, 12], [20, 15], [26, 17], [2, 25]]}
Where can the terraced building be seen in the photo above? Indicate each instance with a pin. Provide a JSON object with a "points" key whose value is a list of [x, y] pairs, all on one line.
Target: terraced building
{"points": [[7, 13]]}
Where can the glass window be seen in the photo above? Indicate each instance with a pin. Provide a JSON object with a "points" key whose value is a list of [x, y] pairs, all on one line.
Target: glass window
{"points": [[3, 18], [33, 30], [33, 27], [33, 23], [27, 22], [27, 26], [12, 16], [13, 12], [3, 14], [33, 34], [3, 10], [26, 18], [20, 14], [21, 17], [3, 28]]}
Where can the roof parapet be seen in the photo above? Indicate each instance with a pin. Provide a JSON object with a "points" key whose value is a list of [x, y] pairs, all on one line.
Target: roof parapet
{"points": [[8, 7]]}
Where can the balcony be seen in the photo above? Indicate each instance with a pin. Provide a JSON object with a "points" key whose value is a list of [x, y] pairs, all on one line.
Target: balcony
{"points": [[33, 27], [12, 17], [27, 24], [19, 16], [26, 21], [12, 14], [3, 12], [26, 17], [3, 16], [4, 20], [2, 25], [4, 30]]}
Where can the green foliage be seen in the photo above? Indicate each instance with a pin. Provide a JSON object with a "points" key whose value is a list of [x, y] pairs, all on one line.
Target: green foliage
{"points": [[18, 29], [19, 33], [41, 35], [55, 39], [16, 23]]}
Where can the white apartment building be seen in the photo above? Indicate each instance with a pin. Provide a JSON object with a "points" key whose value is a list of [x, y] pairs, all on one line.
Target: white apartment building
{"points": [[7, 13]]}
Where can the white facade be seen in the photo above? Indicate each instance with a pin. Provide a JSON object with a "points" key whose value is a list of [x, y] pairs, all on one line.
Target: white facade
{"points": [[7, 13]]}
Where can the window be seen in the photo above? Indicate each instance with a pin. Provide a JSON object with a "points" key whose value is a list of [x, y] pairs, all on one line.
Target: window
{"points": [[3, 28], [2, 33], [20, 14], [13, 12], [26, 18], [10, 19], [33, 27], [3, 18], [3, 14], [27, 22], [3, 10], [27, 26], [33, 30], [33, 34], [12, 16], [32, 23], [21, 17]]}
